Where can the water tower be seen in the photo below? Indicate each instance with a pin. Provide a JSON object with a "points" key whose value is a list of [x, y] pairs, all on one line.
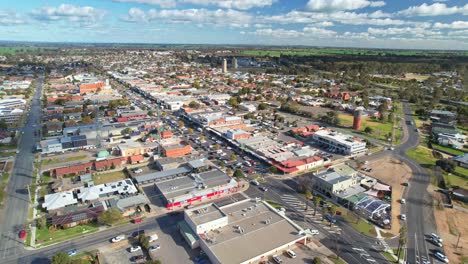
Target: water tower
{"points": [[357, 120]]}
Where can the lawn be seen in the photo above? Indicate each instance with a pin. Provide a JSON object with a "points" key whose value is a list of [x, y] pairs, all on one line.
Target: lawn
{"points": [[109, 177], [391, 258], [381, 130], [360, 224], [422, 155], [454, 152], [274, 204], [46, 236], [61, 160]]}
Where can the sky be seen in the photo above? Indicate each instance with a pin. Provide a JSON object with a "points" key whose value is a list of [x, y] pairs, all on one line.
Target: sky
{"points": [[399, 24]]}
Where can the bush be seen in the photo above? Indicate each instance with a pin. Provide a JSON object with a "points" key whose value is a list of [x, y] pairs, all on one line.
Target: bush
{"points": [[447, 165], [317, 260]]}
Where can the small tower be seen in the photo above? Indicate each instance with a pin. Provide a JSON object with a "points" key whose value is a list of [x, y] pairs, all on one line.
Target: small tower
{"points": [[234, 63], [357, 120]]}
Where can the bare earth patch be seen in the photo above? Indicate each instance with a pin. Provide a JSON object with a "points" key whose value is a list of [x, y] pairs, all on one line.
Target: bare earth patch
{"points": [[394, 173], [451, 222]]}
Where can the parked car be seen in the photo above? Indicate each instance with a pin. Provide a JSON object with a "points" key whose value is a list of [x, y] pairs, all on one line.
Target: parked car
{"points": [[402, 201], [153, 238], [291, 253], [277, 259], [403, 217], [118, 238], [441, 256], [262, 188], [22, 234], [435, 241], [329, 218], [314, 232], [434, 235], [71, 252], [137, 258], [137, 170], [153, 248], [134, 249], [255, 182]]}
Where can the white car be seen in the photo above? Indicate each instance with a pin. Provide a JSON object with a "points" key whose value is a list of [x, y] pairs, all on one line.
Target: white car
{"points": [[441, 256], [403, 217], [118, 238], [402, 201], [136, 171], [153, 238], [435, 236], [153, 248], [134, 249], [314, 232], [291, 253]]}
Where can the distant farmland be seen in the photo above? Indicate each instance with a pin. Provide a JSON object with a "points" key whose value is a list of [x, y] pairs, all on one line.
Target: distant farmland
{"points": [[357, 52], [21, 49]]}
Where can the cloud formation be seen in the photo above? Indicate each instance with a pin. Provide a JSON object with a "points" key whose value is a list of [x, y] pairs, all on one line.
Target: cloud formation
{"points": [[85, 14], [340, 5], [160, 3], [232, 4], [436, 9]]}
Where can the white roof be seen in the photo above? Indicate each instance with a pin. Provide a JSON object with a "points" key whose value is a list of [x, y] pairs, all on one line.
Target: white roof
{"points": [[95, 192], [58, 200]]}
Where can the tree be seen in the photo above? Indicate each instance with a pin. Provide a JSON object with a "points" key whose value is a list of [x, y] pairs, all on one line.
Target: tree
{"points": [[262, 106], [368, 130], [86, 120], [316, 200], [3, 124], [126, 131], [61, 258], [317, 260], [144, 241], [332, 210], [308, 196], [273, 169], [232, 157], [233, 102], [194, 105], [181, 124], [190, 130], [153, 261], [401, 241], [41, 223], [202, 138], [110, 216], [447, 165], [216, 146], [238, 174]]}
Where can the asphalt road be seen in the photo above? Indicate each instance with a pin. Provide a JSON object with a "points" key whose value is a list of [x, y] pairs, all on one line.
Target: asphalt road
{"points": [[15, 213]]}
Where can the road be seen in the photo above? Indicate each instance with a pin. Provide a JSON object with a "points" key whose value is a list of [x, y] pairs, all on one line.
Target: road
{"points": [[418, 207], [15, 213]]}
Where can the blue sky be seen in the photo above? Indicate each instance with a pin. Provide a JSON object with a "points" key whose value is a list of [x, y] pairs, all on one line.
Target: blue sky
{"points": [[416, 24]]}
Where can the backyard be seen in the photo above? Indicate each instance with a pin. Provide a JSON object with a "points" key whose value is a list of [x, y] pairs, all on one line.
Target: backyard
{"points": [[109, 177], [61, 160]]}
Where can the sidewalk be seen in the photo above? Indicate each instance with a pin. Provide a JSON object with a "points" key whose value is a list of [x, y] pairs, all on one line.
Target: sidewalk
{"points": [[386, 247]]}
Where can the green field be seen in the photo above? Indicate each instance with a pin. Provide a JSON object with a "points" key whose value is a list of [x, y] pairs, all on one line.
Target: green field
{"points": [[46, 236], [337, 51], [454, 152], [422, 156], [381, 130], [20, 49]]}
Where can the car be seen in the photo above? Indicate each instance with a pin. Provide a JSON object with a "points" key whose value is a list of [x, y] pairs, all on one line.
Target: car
{"points": [[434, 235], [402, 201], [277, 259], [255, 182], [118, 238], [441, 256], [137, 233], [134, 249], [405, 184], [153, 248], [435, 241], [330, 218], [137, 170], [137, 258], [263, 188], [403, 217], [314, 232], [153, 238], [22, 234], [291, 253], [71, 252]]}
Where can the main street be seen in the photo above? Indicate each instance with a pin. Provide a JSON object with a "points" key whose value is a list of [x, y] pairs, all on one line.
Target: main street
{"points": [[15, 213]]}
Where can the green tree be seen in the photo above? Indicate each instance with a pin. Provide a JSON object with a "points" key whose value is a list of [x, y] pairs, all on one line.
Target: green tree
{"points": [[41, 223], [308, 196], [222, 164], [273, 169], [144, 241], [181, 124], [3, 124], [61, 258], [317, 260], [368, 130], [238, 174], [153, 261], [126, 131], [194, 105], [216, 146], [401, 241], [110, 216], [316, 200], [262, 106], [447, 165], [233, 102], [190, 130], [232, 157]]}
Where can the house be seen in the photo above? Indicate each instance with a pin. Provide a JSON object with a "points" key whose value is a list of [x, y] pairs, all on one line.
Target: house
{"points": [[135, 159], [72, 170], [96, 192], [77, 217], [462, 160], [109, 164], [442, 116], [176, 150], [56, 201], [128, 205]]}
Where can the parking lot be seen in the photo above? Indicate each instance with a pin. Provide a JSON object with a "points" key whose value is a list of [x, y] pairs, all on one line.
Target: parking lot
{"points": [[173, 247]]}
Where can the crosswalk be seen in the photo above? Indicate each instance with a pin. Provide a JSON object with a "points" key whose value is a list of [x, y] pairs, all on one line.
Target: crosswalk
{"points": [[300, 206]]}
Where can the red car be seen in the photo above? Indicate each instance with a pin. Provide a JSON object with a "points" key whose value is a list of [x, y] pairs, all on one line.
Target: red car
{"points": [[22, 234]]}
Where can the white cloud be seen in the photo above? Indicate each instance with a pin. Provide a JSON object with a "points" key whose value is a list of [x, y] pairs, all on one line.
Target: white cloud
{"points": [[453, 25], [418, 32], [306, 32], [324, 24], [379, 14], [436, 9], [200, 16], [350, 18], [160, 3], [341, 5], [10, 18], [85, 14], [234, 4]]}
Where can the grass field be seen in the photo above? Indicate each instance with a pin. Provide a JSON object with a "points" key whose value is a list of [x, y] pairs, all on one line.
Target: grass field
{"points": [[109, 177], [422, 156], [452, 151], [19, 49], [359, 52], [381, 130], [61, 160], [45, 236], [360, 224]]}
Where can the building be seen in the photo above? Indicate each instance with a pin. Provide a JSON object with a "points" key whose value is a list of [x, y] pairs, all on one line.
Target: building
{"points": [[462, 160], [128, 206], [56, 201], [12, 103], [340, 143], [248, 107], [234, 63], [11, 116], [332, 183], [131, 148], [76, 169], [195, 187], [357, 120], [224, 70], [87, 88], [442, 116], [78, 216], [176, 150], [95, 192], [62, 144], [236, 134], [243, 232]]}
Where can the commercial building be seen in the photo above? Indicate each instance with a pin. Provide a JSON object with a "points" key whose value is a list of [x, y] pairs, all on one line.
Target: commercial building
{"points": [[340, 143], [248, 231], [12, 103], [55, 201], [236, 134], [62, 144], [86, 88], [195, 187], [131, 148], [176, 150], [94, 192], [11, 116]]}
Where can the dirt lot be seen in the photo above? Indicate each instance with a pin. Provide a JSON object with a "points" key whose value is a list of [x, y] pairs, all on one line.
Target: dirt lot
{"points": [[450, 223], [68, 158], [392, 172]]}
